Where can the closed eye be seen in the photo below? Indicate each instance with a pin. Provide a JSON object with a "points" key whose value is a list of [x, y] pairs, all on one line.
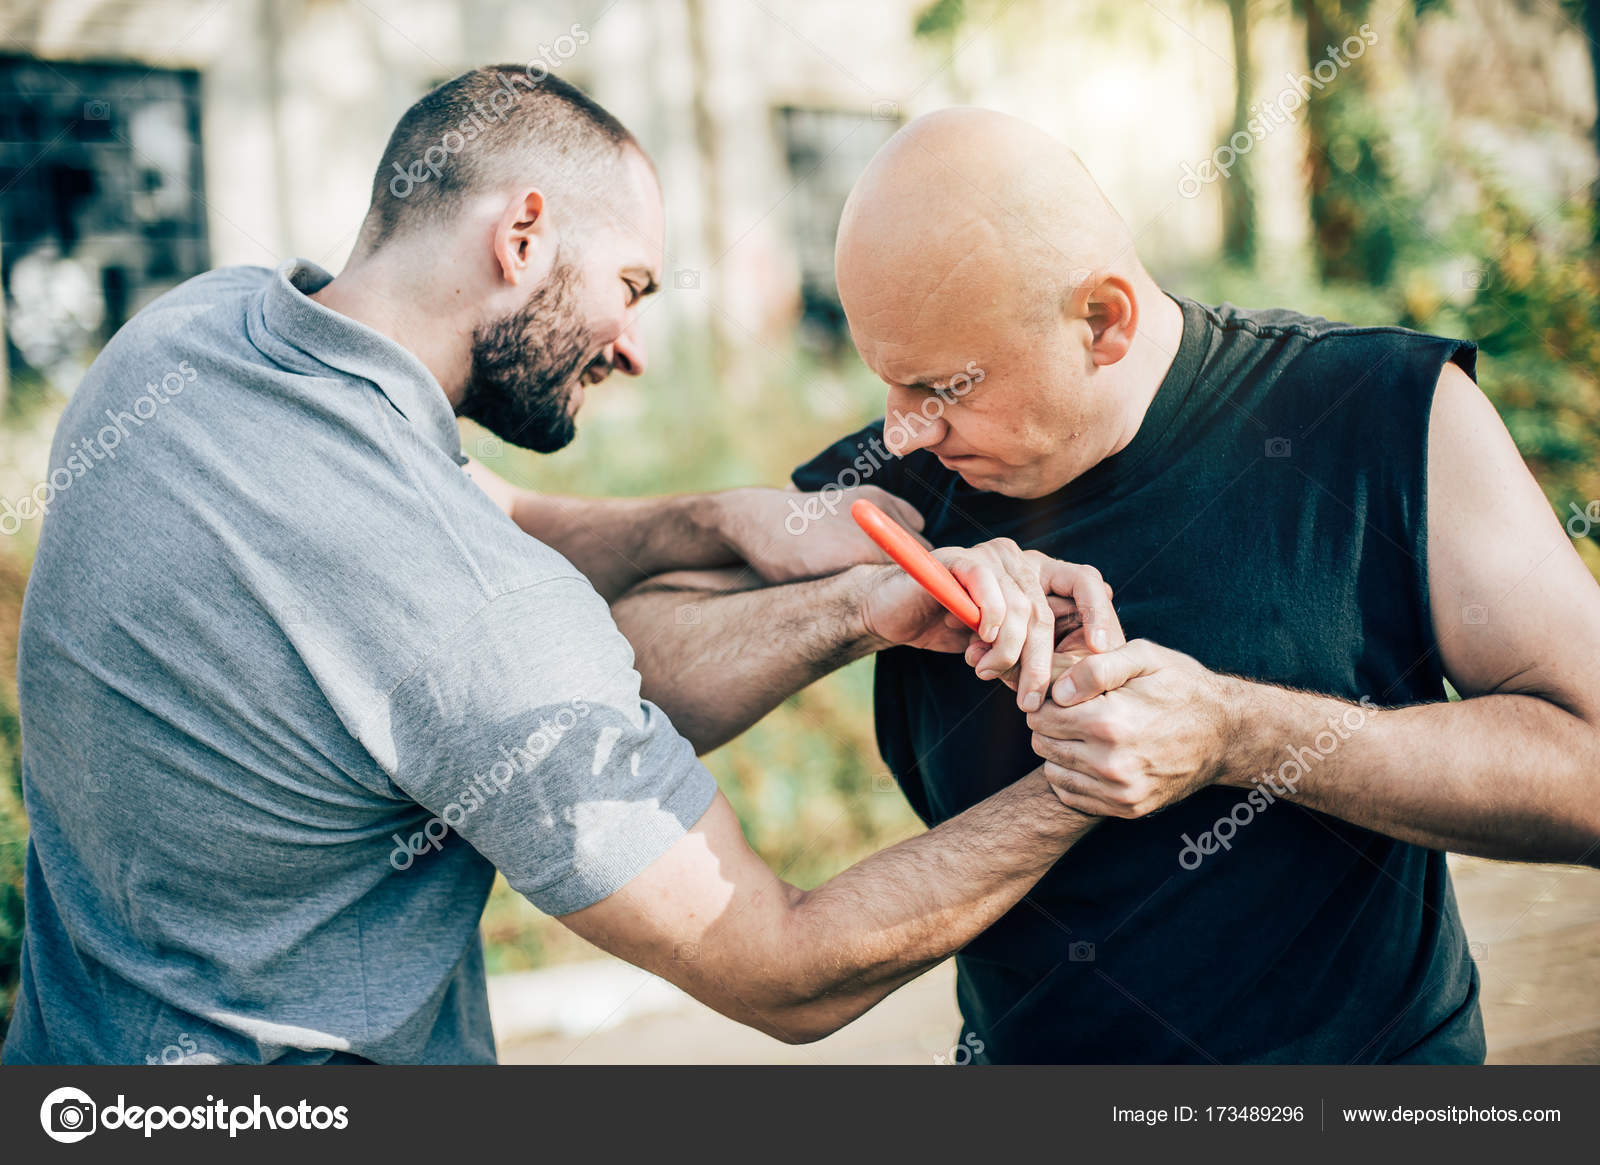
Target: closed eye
{"points": [[636, 292]]}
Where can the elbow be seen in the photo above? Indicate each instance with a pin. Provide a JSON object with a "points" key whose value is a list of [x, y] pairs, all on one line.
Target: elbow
{"points": [[801, 1023], [1591, 843], [801, 1002]]}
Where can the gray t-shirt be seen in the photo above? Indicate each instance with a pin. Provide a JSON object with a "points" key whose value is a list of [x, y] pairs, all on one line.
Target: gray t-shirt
{"points": [[292, 689]]}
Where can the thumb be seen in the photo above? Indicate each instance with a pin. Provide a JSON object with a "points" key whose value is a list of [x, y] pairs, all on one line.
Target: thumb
{"points": [[1060, 663], [1096, 674]]}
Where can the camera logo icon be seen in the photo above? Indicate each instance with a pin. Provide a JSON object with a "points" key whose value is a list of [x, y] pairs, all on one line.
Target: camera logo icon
{"points": [[1080, 952], [686, 279], [96, 110], [67, 1115], [1278, 447]]}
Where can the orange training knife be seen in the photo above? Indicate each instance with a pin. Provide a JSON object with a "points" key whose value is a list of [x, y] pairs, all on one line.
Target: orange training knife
{"points": [[898, 544]]}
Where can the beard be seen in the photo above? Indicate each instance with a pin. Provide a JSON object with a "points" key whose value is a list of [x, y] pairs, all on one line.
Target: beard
{"points": [[525, 366]]}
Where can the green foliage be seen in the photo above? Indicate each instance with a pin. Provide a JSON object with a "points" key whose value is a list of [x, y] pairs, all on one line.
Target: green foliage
{"points": [[1536, 315], [27, 393], [13, 822], [941, 19]]}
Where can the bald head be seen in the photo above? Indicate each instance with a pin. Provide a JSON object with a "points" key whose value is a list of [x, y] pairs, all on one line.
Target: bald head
{"points": [[977, 251], [979, 206]]}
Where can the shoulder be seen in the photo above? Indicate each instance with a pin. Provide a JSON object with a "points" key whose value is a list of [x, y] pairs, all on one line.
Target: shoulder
{"points": [[863, 458], [1320, 380], [1471, 456], [1340, 345], [201, 318], [222, 290]]}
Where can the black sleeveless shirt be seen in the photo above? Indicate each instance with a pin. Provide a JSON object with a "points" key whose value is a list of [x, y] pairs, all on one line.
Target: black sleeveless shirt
{"points": [[1269, 519]]}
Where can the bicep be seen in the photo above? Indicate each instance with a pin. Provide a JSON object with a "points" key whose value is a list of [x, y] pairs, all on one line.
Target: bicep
{"points": [[1514, 608]]}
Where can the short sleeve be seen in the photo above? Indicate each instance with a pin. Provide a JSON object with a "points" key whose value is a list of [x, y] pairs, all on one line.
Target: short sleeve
{"points": [[526, 735]]}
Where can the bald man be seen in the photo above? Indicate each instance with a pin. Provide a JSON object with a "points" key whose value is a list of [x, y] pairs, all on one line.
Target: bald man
{"points": [[1310, 526]]}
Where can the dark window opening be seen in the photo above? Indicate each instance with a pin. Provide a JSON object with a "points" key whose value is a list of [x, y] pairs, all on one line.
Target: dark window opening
{"points": [[101, 204], [826, 150]]}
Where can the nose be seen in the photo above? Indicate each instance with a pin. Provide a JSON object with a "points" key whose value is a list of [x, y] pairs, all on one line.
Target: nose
{"points": [[627, 353], [912, 423]]}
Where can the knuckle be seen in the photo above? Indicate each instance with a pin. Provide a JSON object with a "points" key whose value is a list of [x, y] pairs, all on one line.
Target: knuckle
{"points": [[1124, 770], [1097, 726]]}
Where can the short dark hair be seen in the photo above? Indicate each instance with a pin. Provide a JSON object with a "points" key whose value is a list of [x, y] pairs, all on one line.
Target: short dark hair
{"points": [[503, 121]]}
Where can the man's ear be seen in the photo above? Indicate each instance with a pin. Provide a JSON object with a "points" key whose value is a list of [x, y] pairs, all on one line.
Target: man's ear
{"points": [[1106, 302], [525, 240]]}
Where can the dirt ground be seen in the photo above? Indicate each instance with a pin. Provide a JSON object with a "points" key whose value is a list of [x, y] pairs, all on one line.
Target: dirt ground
{"points": [[1535, 932]]}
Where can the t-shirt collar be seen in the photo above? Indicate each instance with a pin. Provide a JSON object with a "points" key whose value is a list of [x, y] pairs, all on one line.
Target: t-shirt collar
{"points": [[340, 342]]}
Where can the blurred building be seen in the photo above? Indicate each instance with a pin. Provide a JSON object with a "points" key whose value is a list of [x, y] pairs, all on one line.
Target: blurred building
{"points": [[142, 141]]}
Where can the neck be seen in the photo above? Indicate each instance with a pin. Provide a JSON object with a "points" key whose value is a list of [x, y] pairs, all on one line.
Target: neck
{"points": [[378, 293], [1155, 347]]}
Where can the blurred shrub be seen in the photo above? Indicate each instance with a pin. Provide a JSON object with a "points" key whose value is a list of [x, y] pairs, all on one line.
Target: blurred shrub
{"points": [[1433, 240], [13, 824]]}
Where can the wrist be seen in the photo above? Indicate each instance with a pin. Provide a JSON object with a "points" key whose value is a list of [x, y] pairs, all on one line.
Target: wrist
{"points": [[1249, 726], [857, 584], [719, 525], [1060, 824]]}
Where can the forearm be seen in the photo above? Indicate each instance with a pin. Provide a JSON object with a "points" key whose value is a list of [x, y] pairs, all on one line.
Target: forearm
{"points": [[718, 661], [619, 542], [1502, 776], [890, 917]]}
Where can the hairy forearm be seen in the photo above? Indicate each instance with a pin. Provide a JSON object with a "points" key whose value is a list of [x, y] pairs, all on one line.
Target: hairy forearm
{"points": [[618, 542], [716, 662], [1500, 776], [890, 917]]}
